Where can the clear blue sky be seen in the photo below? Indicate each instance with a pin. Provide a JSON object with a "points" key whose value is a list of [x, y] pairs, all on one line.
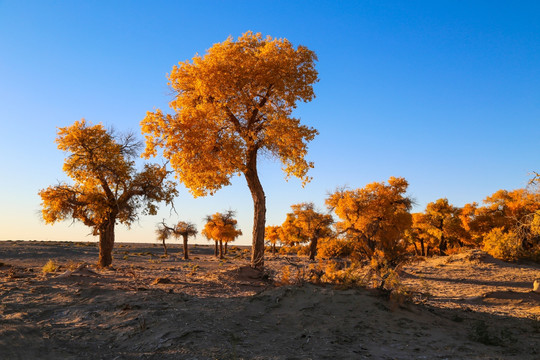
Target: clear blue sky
{"points": [[443, 93]]}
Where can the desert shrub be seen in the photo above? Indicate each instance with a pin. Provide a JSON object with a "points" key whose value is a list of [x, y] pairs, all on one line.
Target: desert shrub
{"points": [[343, 276], [50, 267], [294, 250], [504, 245], [334, 248]]}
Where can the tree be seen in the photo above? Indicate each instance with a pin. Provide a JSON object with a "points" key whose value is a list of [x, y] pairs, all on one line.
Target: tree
{"points": [[107, 188], [231, 105], [272, 235], [419, 233], [181, 229], [305, 224], [505, 210], [374, 218], [163, 232], [441, 220], [221, 228], [185, 230]]}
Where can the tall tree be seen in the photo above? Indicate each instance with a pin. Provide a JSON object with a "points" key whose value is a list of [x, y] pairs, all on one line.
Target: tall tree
{"points": [[231, 105], [374, 218], [305, 224], [222, 228], [107, 188]]}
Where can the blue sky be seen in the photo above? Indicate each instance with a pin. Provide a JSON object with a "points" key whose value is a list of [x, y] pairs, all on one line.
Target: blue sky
{"points": [[443, 93]]}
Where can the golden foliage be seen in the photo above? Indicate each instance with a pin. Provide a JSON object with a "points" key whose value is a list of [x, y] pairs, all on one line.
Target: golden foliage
{"points": [[221, 227], [106, 189], [331, 247], [375, 217], [305, 224], [50, 267], [504, 245], [233, 101], [439, 226]]}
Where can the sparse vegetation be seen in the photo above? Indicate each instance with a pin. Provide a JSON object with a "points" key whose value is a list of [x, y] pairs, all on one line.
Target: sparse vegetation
{"points": [[50, 267]]}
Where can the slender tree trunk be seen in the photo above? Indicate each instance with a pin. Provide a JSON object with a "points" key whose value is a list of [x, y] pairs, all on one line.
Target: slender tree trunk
{"points": [[259, 210], [313, 249], [164, 247], [186, 255], [422, 247], [226, 247], [216, 248], [220, 249], [274, 249], [106, 242]]}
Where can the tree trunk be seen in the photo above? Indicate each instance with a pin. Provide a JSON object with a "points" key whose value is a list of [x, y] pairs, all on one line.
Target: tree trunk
{"points": [[274, 249], [186, 255], [415, 248], [422, 247], [106, 242], [313, 249], [164, 247], [259, 210], [443, 246], [215, 248], [220, 249], [226, 247]]}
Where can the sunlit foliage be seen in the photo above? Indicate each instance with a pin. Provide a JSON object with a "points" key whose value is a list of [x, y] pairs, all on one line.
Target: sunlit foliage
{"points": [[374, 218], [334, 247], [439, 226], [505, 217], [231, 105], [273, 235], [222, 228], [106, 187], [306, 225]]}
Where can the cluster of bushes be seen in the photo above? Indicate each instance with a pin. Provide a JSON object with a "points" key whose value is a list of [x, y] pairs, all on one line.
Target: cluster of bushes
{"points": [[376, 221]]}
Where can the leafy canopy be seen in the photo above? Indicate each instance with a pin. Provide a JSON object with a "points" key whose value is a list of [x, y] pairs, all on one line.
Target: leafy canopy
{"points": [[230, 103], [305, 223], [375, 217], [106, 186], [221, 227]]}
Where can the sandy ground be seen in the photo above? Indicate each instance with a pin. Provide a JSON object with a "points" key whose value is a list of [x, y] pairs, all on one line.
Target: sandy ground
{"points": [[148, 307]]}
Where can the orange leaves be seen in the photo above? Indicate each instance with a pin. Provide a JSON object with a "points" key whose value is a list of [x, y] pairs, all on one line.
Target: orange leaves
{"points": [[221, 227], [106, 186], [231, 102], [374, 217]]}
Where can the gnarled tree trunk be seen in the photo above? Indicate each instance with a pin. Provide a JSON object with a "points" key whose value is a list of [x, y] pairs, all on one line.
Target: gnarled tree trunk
{"points": [[106, 242], [259, 210]]}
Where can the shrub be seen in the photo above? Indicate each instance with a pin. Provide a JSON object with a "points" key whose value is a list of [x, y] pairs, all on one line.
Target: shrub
{"points": [[50, 267], [503, 245], [334, 248]]}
